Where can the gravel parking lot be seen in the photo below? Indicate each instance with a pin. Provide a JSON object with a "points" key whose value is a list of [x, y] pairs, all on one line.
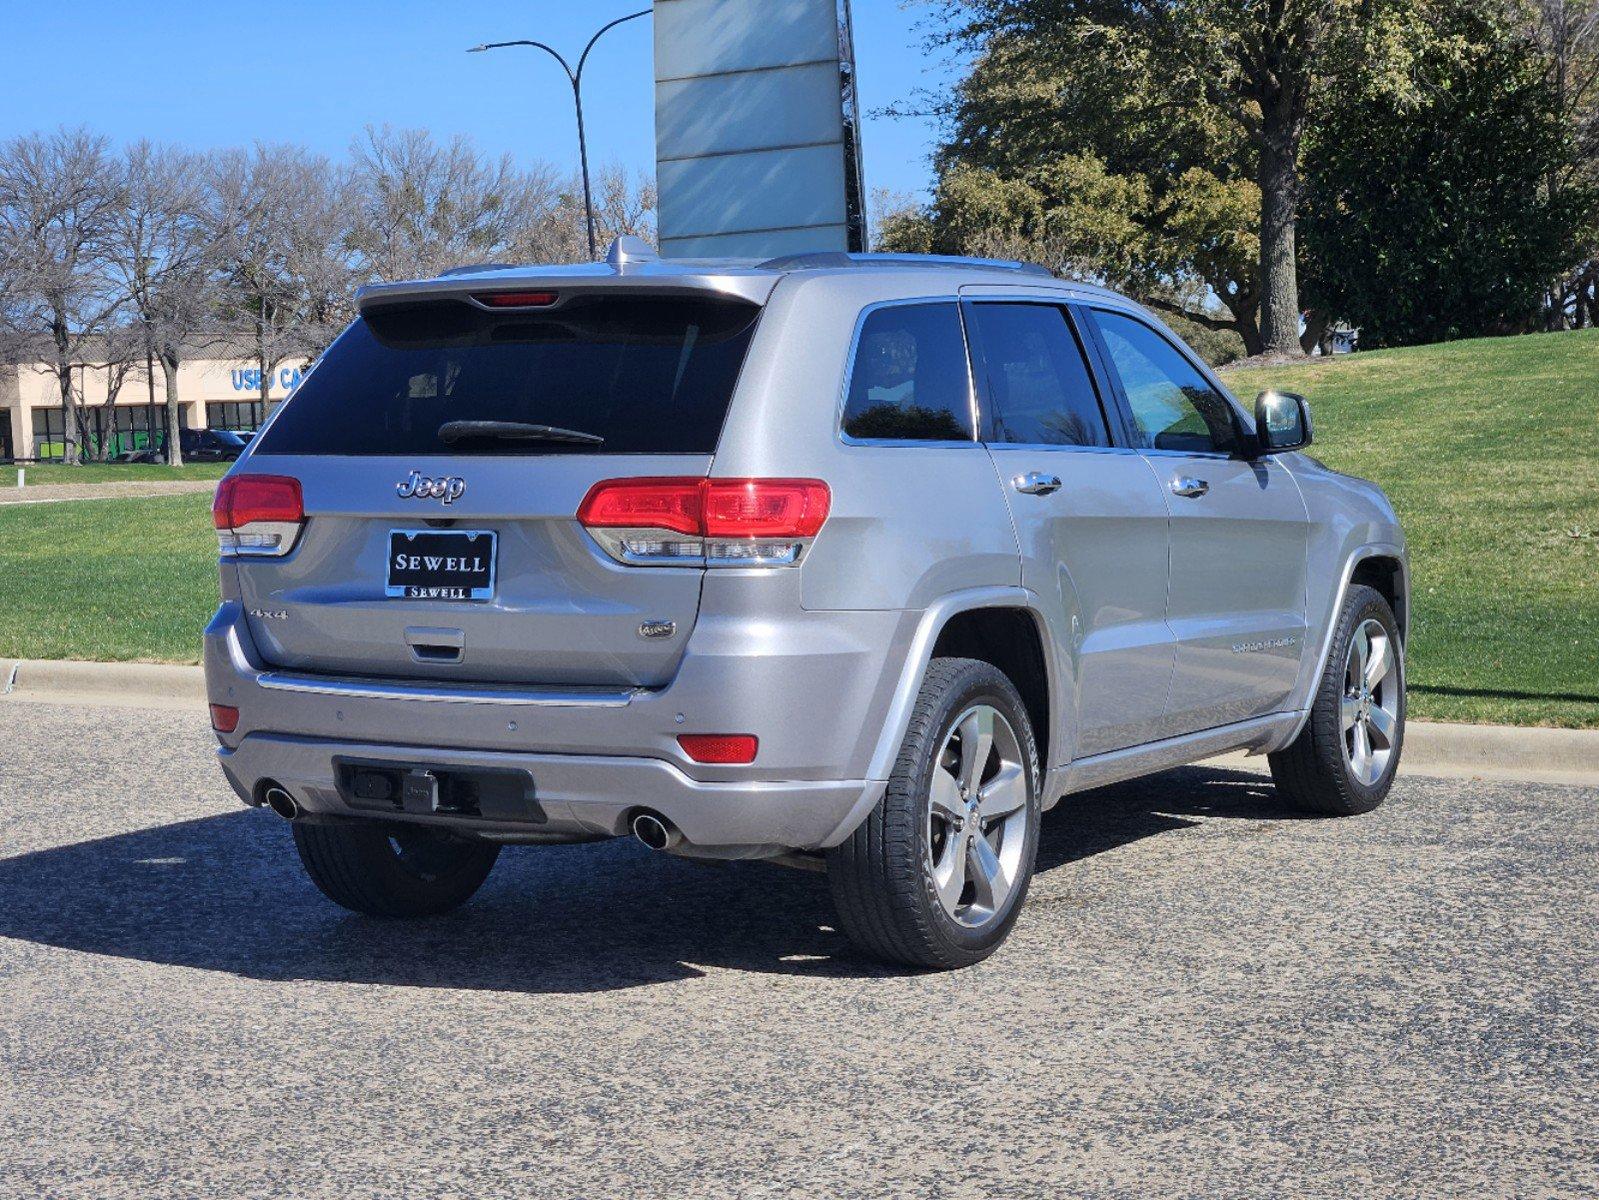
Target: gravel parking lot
{"points": [[1205, 997]]}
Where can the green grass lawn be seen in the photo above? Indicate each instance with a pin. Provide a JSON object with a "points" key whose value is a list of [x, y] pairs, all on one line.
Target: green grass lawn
{"points": [[1489, 449], [109, 580], [1490, 452], [42, 473]]}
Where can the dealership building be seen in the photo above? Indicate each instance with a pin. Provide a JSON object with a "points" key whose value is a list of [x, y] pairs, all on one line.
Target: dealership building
{"points": [[218, 388]]}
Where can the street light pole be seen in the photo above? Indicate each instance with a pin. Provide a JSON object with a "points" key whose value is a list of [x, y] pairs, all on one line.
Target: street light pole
{"points": [[576, 80]]}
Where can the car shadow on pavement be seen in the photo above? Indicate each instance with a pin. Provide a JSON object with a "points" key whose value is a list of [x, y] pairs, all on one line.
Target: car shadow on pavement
{"points": [[1093, 822], [226, 893]]}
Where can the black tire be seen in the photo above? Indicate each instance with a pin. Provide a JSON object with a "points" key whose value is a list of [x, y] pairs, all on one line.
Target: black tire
{"points": [[393, 870], [1313, 773], [880, 877]]}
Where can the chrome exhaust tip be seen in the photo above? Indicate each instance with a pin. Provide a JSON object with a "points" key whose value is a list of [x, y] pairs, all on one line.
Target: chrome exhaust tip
{"points": [[656, 832], [280, 802]]}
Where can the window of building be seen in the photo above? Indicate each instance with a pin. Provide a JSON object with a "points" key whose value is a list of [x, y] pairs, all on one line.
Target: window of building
{"points": [[137, 427], [237, 416], [49, 433]]}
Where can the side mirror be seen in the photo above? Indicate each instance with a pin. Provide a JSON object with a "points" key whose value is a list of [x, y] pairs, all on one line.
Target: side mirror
{"points": [[1282, 422]]}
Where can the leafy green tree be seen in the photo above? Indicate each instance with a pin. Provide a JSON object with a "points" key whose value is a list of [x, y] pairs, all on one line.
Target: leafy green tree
{"points": [[1204, 101], [1054, 155], [1437, 220], [1566, 33]]}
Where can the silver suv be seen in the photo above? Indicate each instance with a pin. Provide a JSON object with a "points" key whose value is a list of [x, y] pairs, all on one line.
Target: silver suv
{"points": [[857, 562]]}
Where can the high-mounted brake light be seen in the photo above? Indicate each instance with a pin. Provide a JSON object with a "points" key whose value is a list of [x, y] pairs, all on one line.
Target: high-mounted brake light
{"points": [[717, 522], [516, 299], [258, 515]]}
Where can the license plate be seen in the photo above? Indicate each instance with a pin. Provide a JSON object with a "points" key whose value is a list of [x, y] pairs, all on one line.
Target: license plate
{"points": [[441, 564]]}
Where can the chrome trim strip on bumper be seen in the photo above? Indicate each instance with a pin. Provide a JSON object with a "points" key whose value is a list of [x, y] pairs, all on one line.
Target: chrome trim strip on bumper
{"points": [[368, 689]]}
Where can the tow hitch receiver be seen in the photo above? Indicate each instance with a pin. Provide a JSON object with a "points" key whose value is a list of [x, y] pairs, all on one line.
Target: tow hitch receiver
{"points": [[420, 792], [487, 793]]}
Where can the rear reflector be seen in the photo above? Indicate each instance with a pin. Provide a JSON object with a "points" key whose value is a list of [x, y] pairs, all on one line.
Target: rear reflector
{"points": [[728, 749], [722, 522], [516, 299], [258, 514], [224, 718]]}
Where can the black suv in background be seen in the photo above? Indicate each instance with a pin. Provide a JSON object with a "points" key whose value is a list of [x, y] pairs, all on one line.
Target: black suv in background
{"points": [[198, 445]]}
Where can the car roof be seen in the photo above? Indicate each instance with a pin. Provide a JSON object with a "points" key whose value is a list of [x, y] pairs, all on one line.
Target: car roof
{"points": [[753, 279]]}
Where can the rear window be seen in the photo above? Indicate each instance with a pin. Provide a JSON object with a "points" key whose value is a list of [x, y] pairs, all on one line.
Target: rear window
{"points": [[649, 375]]}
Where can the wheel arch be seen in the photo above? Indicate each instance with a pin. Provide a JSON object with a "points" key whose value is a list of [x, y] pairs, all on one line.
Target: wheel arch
{"points": [[1388, 575], [1004, 626], [1012, 640], [1384, 566]]}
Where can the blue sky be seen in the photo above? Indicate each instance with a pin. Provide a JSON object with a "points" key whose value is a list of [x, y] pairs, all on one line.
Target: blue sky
{"points": [[219, 74]]}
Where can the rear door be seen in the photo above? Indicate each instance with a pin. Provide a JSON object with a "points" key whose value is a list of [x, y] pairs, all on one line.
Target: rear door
{"points": [[1239, 532], [444, 448], [1088, 514]]}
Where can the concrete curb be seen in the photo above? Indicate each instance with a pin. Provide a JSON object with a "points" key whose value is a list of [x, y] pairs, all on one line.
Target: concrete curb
{"points": [[1502, 751], [157, 683], [1491, 751], [70, 493]]}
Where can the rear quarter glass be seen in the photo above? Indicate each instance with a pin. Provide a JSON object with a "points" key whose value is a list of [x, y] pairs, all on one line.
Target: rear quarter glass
{"points": [[650, 375]]}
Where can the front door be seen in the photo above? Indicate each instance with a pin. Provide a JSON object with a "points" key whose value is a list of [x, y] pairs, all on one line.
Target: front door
{"points": [[1239, 531], [1089, 517]]}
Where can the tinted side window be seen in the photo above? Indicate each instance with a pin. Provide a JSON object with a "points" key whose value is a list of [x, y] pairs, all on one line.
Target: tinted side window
{"points": [[1039, 385], [909, 377], [1173, 406]]}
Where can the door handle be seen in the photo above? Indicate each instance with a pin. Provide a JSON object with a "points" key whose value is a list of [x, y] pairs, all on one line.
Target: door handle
{"points": [[1186, 485], [1036, 483]]}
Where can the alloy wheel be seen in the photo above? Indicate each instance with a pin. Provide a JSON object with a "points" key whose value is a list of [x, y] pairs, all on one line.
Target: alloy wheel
{"points": [[977, 816], [1370, 709]]}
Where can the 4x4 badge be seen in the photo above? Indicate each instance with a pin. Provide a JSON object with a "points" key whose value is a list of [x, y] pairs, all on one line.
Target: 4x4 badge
{"points": [[417, 486]]}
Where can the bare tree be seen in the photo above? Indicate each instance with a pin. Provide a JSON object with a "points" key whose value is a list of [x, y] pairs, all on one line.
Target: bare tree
{"points": [[323, 269], [287, 267], [424, 207], [623, 204], [120, 354], [58, 200], [164, 245]]}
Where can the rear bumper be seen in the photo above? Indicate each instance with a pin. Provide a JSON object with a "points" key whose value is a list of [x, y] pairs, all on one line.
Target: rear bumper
{"points": [[817, 697], [580, 796]]}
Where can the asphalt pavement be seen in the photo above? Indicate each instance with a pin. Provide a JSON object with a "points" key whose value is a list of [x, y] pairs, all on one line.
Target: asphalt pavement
{"points": [[1205, 997]]}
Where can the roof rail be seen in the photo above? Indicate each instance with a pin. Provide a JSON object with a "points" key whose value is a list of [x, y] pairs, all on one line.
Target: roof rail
{"points": [[832, 259]]}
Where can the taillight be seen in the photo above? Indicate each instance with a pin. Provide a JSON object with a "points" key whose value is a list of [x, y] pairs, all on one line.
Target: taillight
{"points": [[224, 718], [258, 515], [716, 522], [726, 749], [674, 505]]}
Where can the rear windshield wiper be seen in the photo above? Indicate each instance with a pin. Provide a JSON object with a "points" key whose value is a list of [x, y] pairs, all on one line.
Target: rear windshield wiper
{"points": [[514, 431]]}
